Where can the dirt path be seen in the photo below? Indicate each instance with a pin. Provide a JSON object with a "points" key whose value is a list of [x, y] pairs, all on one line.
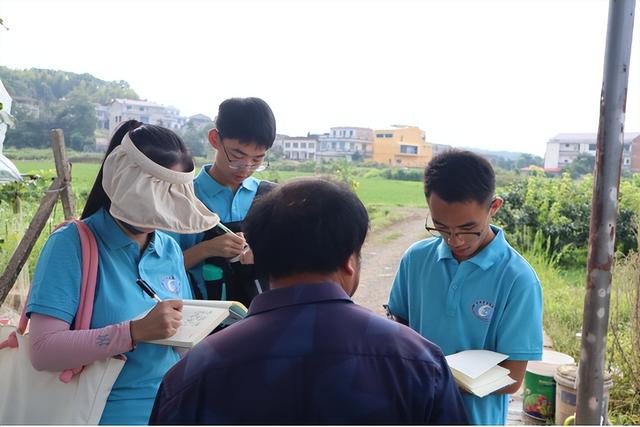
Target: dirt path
{"points": [[381, 255]]}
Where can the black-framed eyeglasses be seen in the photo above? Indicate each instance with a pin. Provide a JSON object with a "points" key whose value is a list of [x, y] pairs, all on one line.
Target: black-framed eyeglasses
{"points": [[257, 165], [465, 236]]}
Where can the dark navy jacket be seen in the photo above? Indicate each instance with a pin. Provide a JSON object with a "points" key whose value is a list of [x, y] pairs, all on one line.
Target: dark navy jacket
{"points": [[308, 355]]}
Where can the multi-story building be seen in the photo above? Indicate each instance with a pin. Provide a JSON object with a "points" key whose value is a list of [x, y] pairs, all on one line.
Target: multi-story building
{"points": [[299, 147], [120, 110], [401, 146], [345, 143], [635, 156], [439, 148], [564, 148]]}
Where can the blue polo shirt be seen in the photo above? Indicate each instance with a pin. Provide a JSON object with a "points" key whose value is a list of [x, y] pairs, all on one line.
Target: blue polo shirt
{"points": [[229, 206], [307, 354], [55, 292], [492, 301]]}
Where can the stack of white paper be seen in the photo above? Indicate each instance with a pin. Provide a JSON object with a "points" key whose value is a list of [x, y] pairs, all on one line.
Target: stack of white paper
{"points": [[477, 371]]}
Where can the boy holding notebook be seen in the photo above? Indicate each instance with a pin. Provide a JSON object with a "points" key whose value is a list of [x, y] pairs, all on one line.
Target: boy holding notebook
{"points": [[466, 288], [219, 262]]}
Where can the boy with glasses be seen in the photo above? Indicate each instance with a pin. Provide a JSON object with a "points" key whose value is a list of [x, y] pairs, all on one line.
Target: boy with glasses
{"points": [[466, 288], [245, 131]]}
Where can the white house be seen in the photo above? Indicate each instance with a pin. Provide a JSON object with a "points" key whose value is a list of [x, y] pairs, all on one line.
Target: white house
{"points": [[343, 143], [563, 149], [121, 110], [299, 147]]}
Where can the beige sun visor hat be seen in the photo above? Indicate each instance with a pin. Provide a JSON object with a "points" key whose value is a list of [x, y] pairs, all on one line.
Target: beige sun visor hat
{"points": [[147, 195]]}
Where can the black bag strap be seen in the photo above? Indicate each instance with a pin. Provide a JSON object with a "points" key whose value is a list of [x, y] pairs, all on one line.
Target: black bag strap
{"points": [[264, 187]]}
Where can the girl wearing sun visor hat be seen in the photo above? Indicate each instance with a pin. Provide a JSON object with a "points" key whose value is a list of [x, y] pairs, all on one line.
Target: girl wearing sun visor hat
{"points": [[144, 185]]}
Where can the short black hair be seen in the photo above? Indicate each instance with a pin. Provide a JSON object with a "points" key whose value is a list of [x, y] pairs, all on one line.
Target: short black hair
{"points": [[250, 120], [308, 225], [460, 176]]}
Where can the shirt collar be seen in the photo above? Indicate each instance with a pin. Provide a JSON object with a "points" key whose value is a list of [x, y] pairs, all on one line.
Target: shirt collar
{"points": [[114, 237], [213, 187], [306, 293], [483, 259]]}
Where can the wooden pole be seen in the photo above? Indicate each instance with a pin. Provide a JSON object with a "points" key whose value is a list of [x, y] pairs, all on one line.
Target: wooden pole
{"points": [[63, 169], [61, 186], [22, 252]]}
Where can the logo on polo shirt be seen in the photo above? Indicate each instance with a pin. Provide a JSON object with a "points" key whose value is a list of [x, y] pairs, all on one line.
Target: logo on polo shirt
{"points": [[483, 310], [172, 284]]}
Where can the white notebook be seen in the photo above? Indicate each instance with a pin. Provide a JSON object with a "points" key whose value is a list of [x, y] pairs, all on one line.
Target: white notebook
{"points": [[200, 318], [478, 372]]}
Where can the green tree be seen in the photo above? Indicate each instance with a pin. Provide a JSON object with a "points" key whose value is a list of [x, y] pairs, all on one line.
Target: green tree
{"points": [[77, 118], [526, 159], [65, 100], [195, 136], [582, 165]]}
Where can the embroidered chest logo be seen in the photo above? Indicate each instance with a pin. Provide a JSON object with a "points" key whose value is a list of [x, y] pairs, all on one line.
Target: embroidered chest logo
{"points": [[483, 310], [171, 283]]}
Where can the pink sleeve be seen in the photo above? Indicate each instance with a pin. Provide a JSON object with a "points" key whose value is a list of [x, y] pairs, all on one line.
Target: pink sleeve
{"points": [[54, 347]]}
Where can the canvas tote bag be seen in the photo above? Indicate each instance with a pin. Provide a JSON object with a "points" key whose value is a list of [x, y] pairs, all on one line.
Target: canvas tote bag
{"points": [[75, 396]]}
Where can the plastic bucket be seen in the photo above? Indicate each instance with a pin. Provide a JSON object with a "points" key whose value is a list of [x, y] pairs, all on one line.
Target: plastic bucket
{"points": [[538, 400], [566, 393]]}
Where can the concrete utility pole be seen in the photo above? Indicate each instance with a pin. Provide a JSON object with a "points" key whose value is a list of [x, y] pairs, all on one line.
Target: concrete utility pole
{"points": [[604, 211]]}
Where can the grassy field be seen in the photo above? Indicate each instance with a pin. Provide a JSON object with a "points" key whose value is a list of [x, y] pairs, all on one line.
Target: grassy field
{"points": [[376, 192]]}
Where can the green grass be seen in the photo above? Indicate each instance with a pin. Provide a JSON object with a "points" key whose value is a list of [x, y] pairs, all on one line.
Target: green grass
{"points": [[563, 294], [372, 191]]}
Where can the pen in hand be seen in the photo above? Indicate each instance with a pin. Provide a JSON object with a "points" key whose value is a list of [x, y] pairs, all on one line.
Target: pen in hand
{"points": [[147, 290]]}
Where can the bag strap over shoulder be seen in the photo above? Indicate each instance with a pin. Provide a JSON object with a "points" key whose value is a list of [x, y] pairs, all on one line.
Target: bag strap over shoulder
{"points": [[89, 250]]}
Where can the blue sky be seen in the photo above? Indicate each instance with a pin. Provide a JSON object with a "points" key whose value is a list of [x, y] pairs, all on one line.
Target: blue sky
{"points": [[501, 75]]}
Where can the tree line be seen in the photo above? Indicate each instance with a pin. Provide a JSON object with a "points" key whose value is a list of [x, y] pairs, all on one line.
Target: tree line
{"points": [[47, 99]]}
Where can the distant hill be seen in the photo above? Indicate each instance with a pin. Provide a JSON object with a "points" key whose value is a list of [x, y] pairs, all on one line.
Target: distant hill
{"points": [[509, 155], [47, 99], [53, 85]]}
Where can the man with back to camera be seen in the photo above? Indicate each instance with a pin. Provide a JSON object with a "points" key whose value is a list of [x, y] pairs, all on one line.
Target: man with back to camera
{"points": [[306, 354], [466, 287], [245, 131]]}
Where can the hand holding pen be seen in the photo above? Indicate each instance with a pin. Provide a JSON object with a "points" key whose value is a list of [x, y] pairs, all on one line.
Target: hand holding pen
{"points": [[162, 321]]}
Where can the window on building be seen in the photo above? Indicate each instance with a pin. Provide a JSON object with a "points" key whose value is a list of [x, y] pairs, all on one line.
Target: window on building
{"points": [[379, 135], [141, 108], [295, 145], [592, 147], [129, 107], [350, 133], [627, 161], [312, 145], [303, 145], [409, 149], [287, 144], [388, 135]]}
